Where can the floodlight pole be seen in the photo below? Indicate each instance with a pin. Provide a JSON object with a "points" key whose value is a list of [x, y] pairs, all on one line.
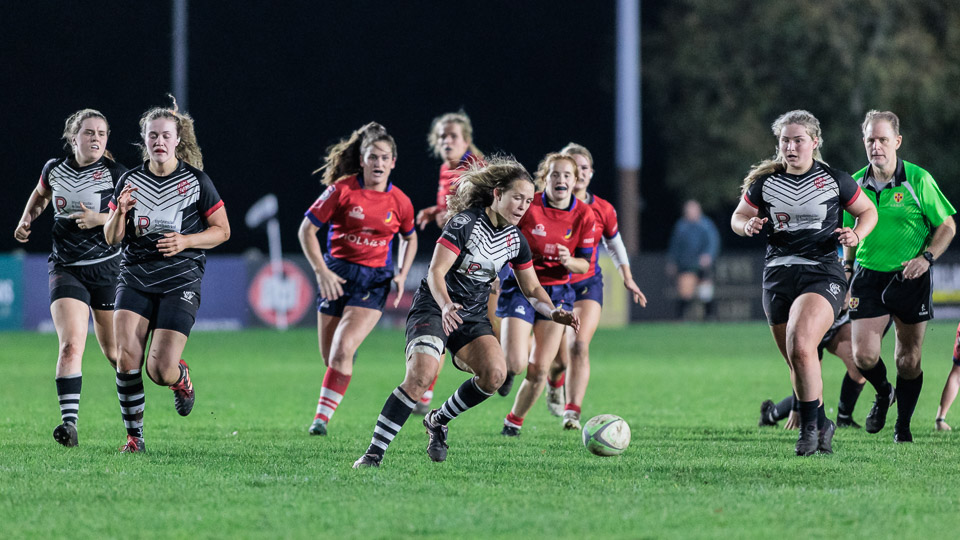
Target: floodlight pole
{"points": [[178, 53], [628, 122]]}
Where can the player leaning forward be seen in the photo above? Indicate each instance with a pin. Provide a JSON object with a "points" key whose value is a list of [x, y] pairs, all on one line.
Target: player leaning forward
{"points": [[799, 200], [166, 212], [893, 276], [450, 307]]}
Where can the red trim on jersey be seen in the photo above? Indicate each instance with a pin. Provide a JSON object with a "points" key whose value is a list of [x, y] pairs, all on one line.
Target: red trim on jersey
{"points": [[747, 200], [111, 205], [449, 245], [855, 197], [523, 266], [213, 209]]}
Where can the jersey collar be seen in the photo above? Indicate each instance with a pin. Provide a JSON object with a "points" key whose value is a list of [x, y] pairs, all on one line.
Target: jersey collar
{"points": [[899, 177], [545, 204], [360, 182]]}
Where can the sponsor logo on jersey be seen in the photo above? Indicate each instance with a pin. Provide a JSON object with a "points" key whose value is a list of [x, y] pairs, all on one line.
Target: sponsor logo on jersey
{"points": [[521, 310], [898, 197], [97, 175], [361, 240], [327, 193], [143, 223], [818, 182], [356, 212], [183, 186], [188, 296], [473, 267], [854, 302], [459, 221], [539, 230], [568, 234], [550, 249], [389, 217], [60, 203], [782, 218]]}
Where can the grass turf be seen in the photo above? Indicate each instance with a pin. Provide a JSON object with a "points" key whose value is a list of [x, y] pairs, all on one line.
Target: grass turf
{"points": [[242, 464]]}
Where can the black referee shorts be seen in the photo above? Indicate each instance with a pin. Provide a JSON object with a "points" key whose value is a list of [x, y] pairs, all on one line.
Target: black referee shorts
{"points": [[875, 294], [784, 284]]}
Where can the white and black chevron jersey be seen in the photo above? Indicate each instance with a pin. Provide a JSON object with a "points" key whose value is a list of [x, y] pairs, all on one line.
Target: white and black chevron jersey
{"points": [[804, 211], [482, 250], [72, 186], [178, 203]]}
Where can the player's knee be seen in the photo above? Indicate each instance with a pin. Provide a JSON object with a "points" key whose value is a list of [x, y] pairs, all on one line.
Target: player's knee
{"points": [[71, 352], [491, 378], [580, 350]]}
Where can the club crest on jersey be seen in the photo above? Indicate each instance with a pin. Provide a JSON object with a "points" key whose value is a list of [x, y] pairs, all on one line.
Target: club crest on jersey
{"points": [[183, 186], [327, 193], [854, 302], [898, 197], [356, 212], [459, 221], [389, 217], [568, 234], [97, 175], [818, 182], [539, 230]]}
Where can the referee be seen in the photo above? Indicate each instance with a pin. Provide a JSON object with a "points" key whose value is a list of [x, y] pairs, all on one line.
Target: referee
{"points": [[893, 275]]}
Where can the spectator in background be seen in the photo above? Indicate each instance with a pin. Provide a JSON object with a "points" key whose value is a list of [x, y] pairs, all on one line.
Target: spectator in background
{"points": [[694, 245]]}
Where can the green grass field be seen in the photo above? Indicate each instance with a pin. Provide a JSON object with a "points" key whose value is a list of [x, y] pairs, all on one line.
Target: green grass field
{"points": [[242, 465]]}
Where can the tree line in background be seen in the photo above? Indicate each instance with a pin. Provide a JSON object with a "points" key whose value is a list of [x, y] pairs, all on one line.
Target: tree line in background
{"points": [[719, 73]]}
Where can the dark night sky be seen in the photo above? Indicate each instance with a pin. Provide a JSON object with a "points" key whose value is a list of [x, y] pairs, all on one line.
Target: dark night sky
{"points": [[273, 83]]}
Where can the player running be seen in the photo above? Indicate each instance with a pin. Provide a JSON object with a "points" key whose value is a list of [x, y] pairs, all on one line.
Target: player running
{"points": [[451, 138], [82, 266], [449, 307], [364, 211], [949, 388], [893, 274], [166, 212], [799, 201], [570, 372], [560, 231]]}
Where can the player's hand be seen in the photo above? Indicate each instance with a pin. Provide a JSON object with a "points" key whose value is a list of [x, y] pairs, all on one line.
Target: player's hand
{"points": [[450, 318], [426, 216], [172, 243], [915, 268], [753, 226], [330, 284], [793, 421], [847, 237], [635, 292], [568, 318], [22, 232], [399, 280], [87, 219], [125, 202], [563, 254]]}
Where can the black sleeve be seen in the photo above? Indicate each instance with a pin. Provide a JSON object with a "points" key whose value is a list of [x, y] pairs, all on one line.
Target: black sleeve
{"points": [[754, 194], [457, 231], [209, 201], [47, 167], [524, 256]]}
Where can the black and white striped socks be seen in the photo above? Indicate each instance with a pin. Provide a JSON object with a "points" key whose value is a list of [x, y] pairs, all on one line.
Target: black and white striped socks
{"points": [[132, 400], [68, 392]]}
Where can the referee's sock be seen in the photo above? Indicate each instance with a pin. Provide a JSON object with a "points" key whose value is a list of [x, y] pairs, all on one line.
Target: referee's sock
{"points": [[877, 376], [849, 394], [908, 392]]}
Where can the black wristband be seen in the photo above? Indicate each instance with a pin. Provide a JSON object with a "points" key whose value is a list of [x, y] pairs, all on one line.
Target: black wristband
{"points": [[928, 256]]}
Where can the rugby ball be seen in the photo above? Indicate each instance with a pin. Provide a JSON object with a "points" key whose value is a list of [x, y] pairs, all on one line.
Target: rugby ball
{"points": [[606, 435]]}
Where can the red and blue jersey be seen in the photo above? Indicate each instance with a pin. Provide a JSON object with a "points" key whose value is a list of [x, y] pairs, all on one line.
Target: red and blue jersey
{"points": [[362, 221], [449, 177], [606, 227], [546, 228]]}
